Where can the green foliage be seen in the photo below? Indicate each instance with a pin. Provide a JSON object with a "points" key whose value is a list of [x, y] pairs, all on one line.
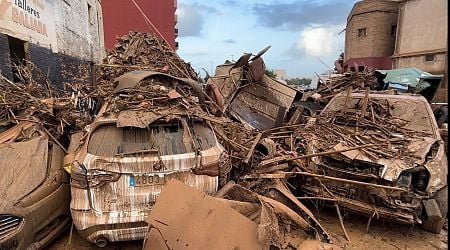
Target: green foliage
{"points": [[304, 82], [270, 73]]}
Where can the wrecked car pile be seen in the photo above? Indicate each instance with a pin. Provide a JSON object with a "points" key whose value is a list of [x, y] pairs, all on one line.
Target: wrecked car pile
{"points": [[402, 169], [243, 141], [34, 189]]}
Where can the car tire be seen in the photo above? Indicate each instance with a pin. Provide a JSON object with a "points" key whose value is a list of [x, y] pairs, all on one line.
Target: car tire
{"points": [[435, 225]]}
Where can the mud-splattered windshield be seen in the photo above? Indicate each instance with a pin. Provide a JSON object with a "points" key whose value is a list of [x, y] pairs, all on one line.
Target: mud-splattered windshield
{"points": [[407, 113], [158, 139]]}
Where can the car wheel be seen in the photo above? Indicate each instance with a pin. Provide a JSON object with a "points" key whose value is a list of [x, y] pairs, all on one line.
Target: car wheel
{"points": [[434, 225]]}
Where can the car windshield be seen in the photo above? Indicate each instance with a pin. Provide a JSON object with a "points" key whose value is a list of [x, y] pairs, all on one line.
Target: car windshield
{"points": [[413, 113], [158, 139]]}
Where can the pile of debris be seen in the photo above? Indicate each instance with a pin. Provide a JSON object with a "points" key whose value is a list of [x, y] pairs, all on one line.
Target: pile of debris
{"points": [[34, 99], [326, 90], [139, 51], [249, 113]]}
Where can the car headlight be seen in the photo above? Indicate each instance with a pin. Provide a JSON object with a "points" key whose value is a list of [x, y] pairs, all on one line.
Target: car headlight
{"points": [[404, 179], [416, 178]]}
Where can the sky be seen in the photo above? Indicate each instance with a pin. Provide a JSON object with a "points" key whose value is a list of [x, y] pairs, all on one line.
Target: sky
{"points": [[299, 32]]}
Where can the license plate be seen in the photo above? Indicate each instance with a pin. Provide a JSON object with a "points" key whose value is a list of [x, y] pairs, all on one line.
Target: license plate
{"points": [[147, 180]]}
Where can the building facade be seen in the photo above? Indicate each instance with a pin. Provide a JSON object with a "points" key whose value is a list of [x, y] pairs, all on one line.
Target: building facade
{"points": [[156, 16], [62, 38], [370, 34], [422, 39], [280, 74]]}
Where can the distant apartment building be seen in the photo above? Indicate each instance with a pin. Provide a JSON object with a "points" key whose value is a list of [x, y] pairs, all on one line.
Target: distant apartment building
{"points": [[156, 16], [280, 74], [386, 34], [422, 39], [62, 38], [370, 34]]}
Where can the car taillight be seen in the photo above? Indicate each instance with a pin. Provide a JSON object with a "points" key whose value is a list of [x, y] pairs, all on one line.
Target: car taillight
{"points": [[78, 178], [97, 178]]}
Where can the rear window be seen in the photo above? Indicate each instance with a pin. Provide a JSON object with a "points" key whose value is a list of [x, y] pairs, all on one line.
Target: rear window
{"points": [[413, 113], [157, 139]]}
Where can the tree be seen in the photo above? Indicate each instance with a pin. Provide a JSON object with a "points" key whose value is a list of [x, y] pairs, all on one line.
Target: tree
{"points": [[299, 82], [271, 74]]}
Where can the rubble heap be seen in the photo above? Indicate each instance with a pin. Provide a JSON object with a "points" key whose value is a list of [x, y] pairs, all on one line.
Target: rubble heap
{"points": [[140, 51], [32, 99], [327, 89]]}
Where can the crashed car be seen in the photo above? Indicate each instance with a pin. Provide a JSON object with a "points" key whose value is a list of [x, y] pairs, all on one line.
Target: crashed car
{"points": [[399, 173], [120, 165], [34, 189]]}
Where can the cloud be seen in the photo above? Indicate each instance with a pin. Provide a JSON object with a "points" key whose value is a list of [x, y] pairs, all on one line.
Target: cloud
{"points": [[316, 41], [300, 14], [191, 18], [231, 2], [229, 40]]}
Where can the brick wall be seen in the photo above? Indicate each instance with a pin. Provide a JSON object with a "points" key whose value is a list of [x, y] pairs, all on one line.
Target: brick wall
{"points": [[5, 63], [377, 17]]}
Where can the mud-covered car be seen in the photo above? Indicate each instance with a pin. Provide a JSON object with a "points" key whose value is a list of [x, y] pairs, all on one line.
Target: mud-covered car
{"points": [[399, 173], [34, 188], [121, 164]]}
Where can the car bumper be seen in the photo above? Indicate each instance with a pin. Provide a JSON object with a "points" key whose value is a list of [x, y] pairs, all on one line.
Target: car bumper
{"points": [[36, 233], [111, 226]]}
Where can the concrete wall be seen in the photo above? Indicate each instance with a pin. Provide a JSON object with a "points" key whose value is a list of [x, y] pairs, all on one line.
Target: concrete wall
{"points": [[122, 16], [80, 33], [422, 26], [422, 31], [65, 37], [377, 17]]}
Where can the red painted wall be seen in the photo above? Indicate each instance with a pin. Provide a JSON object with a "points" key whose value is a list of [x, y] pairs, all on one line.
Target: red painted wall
{"points": [[122, 16], [373, 62]]}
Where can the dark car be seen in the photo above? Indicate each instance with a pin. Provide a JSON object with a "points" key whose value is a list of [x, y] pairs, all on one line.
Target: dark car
{"points": [[34, 188]]}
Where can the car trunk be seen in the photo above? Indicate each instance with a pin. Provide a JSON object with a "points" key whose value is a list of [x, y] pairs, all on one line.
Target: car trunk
{"points": [[144, 159]]}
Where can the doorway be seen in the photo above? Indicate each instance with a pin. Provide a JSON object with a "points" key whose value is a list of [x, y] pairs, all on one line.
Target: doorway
{"points": [[18, 52]]}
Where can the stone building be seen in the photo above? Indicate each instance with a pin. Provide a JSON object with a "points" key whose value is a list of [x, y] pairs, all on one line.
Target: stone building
{"points": [[280, 74], [370, 34], [422, 39], [63, 38]]}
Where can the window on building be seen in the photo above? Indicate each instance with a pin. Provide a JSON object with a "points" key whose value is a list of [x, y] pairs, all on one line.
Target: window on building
{"points": [[18, 52], [362, 32], [393, 30], [90, 14], [429, 57]]}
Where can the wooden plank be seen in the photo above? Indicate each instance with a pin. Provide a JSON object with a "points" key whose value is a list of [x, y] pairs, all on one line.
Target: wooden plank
{"points": [[252, 148], [283, 175]]}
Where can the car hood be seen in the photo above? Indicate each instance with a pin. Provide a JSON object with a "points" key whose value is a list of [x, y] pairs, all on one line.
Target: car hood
{"points": [[23, 168], [415, 154]]}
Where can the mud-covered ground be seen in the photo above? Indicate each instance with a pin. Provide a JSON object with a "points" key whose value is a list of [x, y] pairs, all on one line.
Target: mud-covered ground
{"points": [[381, 235]]}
